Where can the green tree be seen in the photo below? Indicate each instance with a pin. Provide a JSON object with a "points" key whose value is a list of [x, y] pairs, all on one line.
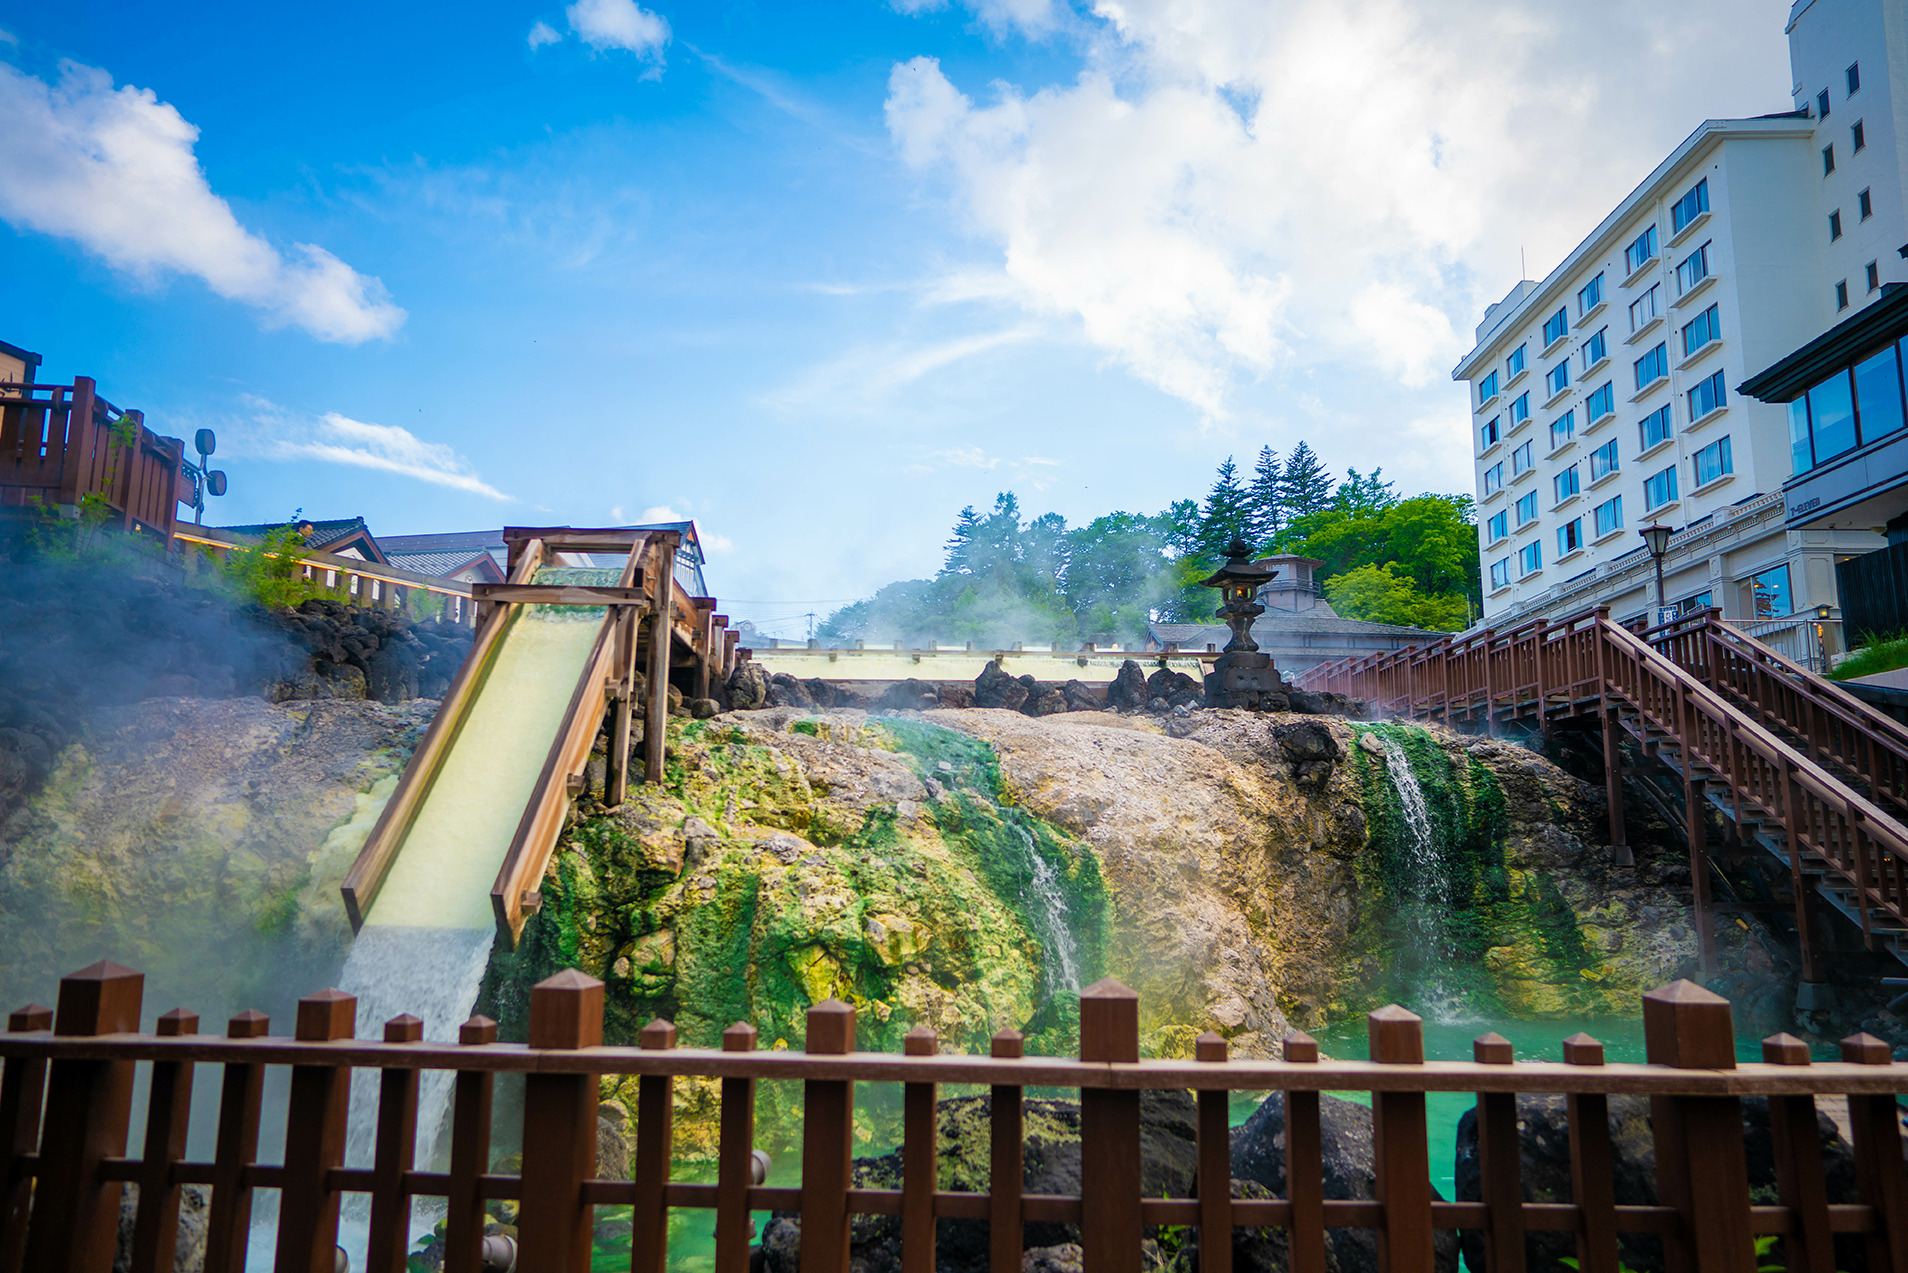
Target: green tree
{"points": [[1226, 516], [1265, 498], [1119, 570], [1380, 594], [1308, 487], [272, 571]]}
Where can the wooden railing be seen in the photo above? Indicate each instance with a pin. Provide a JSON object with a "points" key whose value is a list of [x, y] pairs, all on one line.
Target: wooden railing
{"points": [[66, 1096], [352, 580], [60, 444]]}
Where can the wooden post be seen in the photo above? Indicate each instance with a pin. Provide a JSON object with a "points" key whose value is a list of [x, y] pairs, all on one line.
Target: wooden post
{"points": [[828, 1135], [241, 1088], [1215, 1162], [168, 1118], [75, 1218], [1005, 1232], [469, 1155], [386, 1249], [1697, 830], [314, 1140], [559, 1125], [661, 633], [735, 1160], [1800, 1182], [1110, 1229], [1500, 1164], [1620, 853], [1879, 1179], [1592, 1173], [21, 1092], [78, 458], [1699, 1144], [1400, 1153], [918, 1168], [655, 1140], [1304, 1163]]}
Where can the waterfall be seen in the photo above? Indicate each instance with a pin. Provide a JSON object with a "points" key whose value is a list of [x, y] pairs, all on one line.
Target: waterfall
{"points": [[1423, 907], [1049, 913]]}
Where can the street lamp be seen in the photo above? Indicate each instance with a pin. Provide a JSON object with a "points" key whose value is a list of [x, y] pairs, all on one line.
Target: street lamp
{"points": [[1821, 635], [1656, 537]]}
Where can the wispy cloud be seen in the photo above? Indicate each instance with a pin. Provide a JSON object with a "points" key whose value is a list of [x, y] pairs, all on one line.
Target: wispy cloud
{"points": [[271, 432], [865, 377], [114, 171], [611, 25], [543, 33]]}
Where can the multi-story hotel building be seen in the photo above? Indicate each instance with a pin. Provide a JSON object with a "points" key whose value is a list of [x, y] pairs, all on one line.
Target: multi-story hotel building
{"points": [[1605, 396]]}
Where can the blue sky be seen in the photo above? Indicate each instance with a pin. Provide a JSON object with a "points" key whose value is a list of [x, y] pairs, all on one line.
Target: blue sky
{"points": [[814, 275]]}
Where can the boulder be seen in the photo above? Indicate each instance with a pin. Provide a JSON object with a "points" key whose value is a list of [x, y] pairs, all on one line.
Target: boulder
{"points": [[188, 1251], [957, 696], [910, 695], [785, 691], [1175, 687], [1080, 698], [1303, 741], [994, 688], [748, 686], [1050, 701], [704, 708], [1128, 691]]}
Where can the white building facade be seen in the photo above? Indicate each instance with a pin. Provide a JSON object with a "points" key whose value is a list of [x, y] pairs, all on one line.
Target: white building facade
{"points": [[1604, 397]]}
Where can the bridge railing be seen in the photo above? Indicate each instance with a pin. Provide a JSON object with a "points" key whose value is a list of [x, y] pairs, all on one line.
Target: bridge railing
{"points": [[66, 1098], [60, 444]]}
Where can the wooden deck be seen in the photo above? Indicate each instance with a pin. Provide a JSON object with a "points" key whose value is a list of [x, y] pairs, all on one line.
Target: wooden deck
{"points": [[61, 444]]}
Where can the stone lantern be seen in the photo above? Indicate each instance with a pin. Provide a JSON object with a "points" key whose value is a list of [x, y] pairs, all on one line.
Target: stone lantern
{"points": [[1242, 676]]}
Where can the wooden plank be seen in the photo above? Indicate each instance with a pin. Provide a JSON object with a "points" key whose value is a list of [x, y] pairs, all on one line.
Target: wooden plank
{"points": [[1005, 1233], [1800, 1181], [387, 1245], [735, 1160], [1500, 1164], [22, 1091], [827, 1144], [1304, 1163], [168, 1119], [308, 1202], [1110, 1228], [1215, 1163], [559, 594], [75, 460], [1592, 1170], [1701, 1166], [242, 1086], [918, 1166], [656, 715], [559, 1120], [469, 1155], [1400, 1151], [655, 1140], [1879, 1179]]}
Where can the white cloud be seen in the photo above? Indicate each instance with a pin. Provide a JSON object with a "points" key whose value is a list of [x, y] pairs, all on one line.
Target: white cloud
{"points": [[1233, 188], [543, 33], [660, 513], [114, 171], [619, 24], [718, 545], [866, 378], [273, 433], [1029, 17]]}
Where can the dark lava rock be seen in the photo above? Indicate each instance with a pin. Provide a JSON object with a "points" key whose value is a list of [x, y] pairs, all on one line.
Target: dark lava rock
{"points": [[748, 686], [1128, 691], [1175, 687], [1050, 701], [1079, 697], [957, 696], [910, 694], [704, 708], [994, 688], [785, 691], [1303, 740]]}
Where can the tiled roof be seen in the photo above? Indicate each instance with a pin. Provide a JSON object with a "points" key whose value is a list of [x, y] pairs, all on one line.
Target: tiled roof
{"points": [[468, 542], [322, 533], [440, 564]]}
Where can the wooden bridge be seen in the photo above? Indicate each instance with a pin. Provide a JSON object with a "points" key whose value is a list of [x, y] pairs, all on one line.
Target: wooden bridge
{"points": [[1796, 766], [60, 444], [67, 1090]]}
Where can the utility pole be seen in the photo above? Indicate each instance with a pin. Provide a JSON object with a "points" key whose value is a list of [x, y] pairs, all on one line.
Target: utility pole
{"points": [[811, 625]]}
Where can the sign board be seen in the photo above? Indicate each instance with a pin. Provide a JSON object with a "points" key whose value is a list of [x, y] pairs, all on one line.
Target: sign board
{"points": [[1667, 614]]}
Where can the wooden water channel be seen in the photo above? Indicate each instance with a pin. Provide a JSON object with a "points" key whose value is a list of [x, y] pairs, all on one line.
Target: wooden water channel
{"points": [[66, 1092]]}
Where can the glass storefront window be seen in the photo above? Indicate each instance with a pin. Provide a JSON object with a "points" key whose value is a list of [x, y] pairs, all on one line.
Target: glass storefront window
{"points": [[1701, 601], [1799, 435], [1769, 593], [1878, 395], [1832, 415]]}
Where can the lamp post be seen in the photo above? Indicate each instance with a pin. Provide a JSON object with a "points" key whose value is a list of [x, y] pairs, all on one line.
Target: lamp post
{"points": [[1656, 537], [1821, 636], [1242, 676]]}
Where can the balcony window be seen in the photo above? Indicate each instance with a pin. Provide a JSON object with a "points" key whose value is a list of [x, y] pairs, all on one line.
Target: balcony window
{"points": [[1841, 295], [1712, 462], [1520, 409], [1565, 484], [1608, 516], [1858, 138], [1835, 225], [1640, 251], [1562, 429], [1690, 206], [1521, 459], [1769, 593], [1603, 461], [1494, 479], [1702, 329], [1514, 365], [1487, 388], [1707, 396], [1822, 104], [1646, 308], [1828, 159], [1498, 527], [1874, 275], [1653, 366], [1500, 574], [1590, 295], [1596, 349], [1555, 327], [1693, 270], [1527, 509], [1659, 489], [1530, 558], [1557, 379], [1654, 427], [1570, 537], [1600, 403], [1487, 436], [1865, 204], [1878, 400], [1854, 74]]}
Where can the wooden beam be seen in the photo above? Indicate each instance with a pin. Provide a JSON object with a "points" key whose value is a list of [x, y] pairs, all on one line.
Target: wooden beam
{"points": [[656, 717], [559, 594]]}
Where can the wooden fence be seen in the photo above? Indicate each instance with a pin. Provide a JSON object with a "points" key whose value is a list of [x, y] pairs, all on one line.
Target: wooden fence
{"points": [[66, 1093], [62, 443]]}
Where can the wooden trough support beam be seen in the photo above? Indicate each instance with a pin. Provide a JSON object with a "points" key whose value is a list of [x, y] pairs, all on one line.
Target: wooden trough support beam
{"points": [[616, 784], [661, 621], [705, 642]]}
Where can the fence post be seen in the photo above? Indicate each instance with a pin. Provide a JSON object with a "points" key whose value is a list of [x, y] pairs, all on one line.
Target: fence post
{"points": [[78, 458], [469, 1154], [1110, 1228], [1400, 1154], [385, 1249], [735, 1160], [1304, 1162], [559, 1121], [21, 1091], [655, 1135], [240, 1091], [828, 1107], [1215, 1162], [1592, 1174], [1701, 1166], [1004, 1229], [918, 1168], [314, 1139], [1800, 1181], [168, 1118], [1499, 1164], [75, 1214], [1879, 1180]]}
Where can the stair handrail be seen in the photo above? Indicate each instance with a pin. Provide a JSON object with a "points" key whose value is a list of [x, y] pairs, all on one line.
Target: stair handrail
{"points": [[1827, 692]]}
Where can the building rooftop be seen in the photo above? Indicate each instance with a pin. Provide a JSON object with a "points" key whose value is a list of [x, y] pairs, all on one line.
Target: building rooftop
{"points": [[324, 536]]}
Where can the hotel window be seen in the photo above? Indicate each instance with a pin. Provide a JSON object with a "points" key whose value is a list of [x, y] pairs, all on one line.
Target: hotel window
{"points": [[1693, 270], [1835, 225], [1487, 388], [1706, 397], [1873, 269], [1828, 159], [1878, 395], [1569, 537], [1514, 365], [1603, 461], [1494, 478], [1865, 204], [1851, 408], [1769, 593], [1500, 574], [1653, 428], [1600, 403], [1640, 251], [1645, 308], [1690, 206], [1520, 409], [1712, 462], [1498, 527], [1841, 295], [1653, 366], [1562, 429], [1565, 484], [1659, 489], [1702, 329], [1590, 295], [1854, 74], [1555, 326], [1858, 138], [1822, 104], [1596, 349], [1557, 379], [1530, 558], [1487, 435], [1520, 459], [1608, 516], [1527, 509]]}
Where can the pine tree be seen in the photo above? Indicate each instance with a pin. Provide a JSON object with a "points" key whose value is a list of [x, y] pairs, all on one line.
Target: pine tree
{"points": [[1265, 498], [1307, 486], [1226, 514]]}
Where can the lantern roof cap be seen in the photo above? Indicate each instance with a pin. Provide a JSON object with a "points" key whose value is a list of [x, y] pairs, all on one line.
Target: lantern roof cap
{"points": [[1239, 568]]}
